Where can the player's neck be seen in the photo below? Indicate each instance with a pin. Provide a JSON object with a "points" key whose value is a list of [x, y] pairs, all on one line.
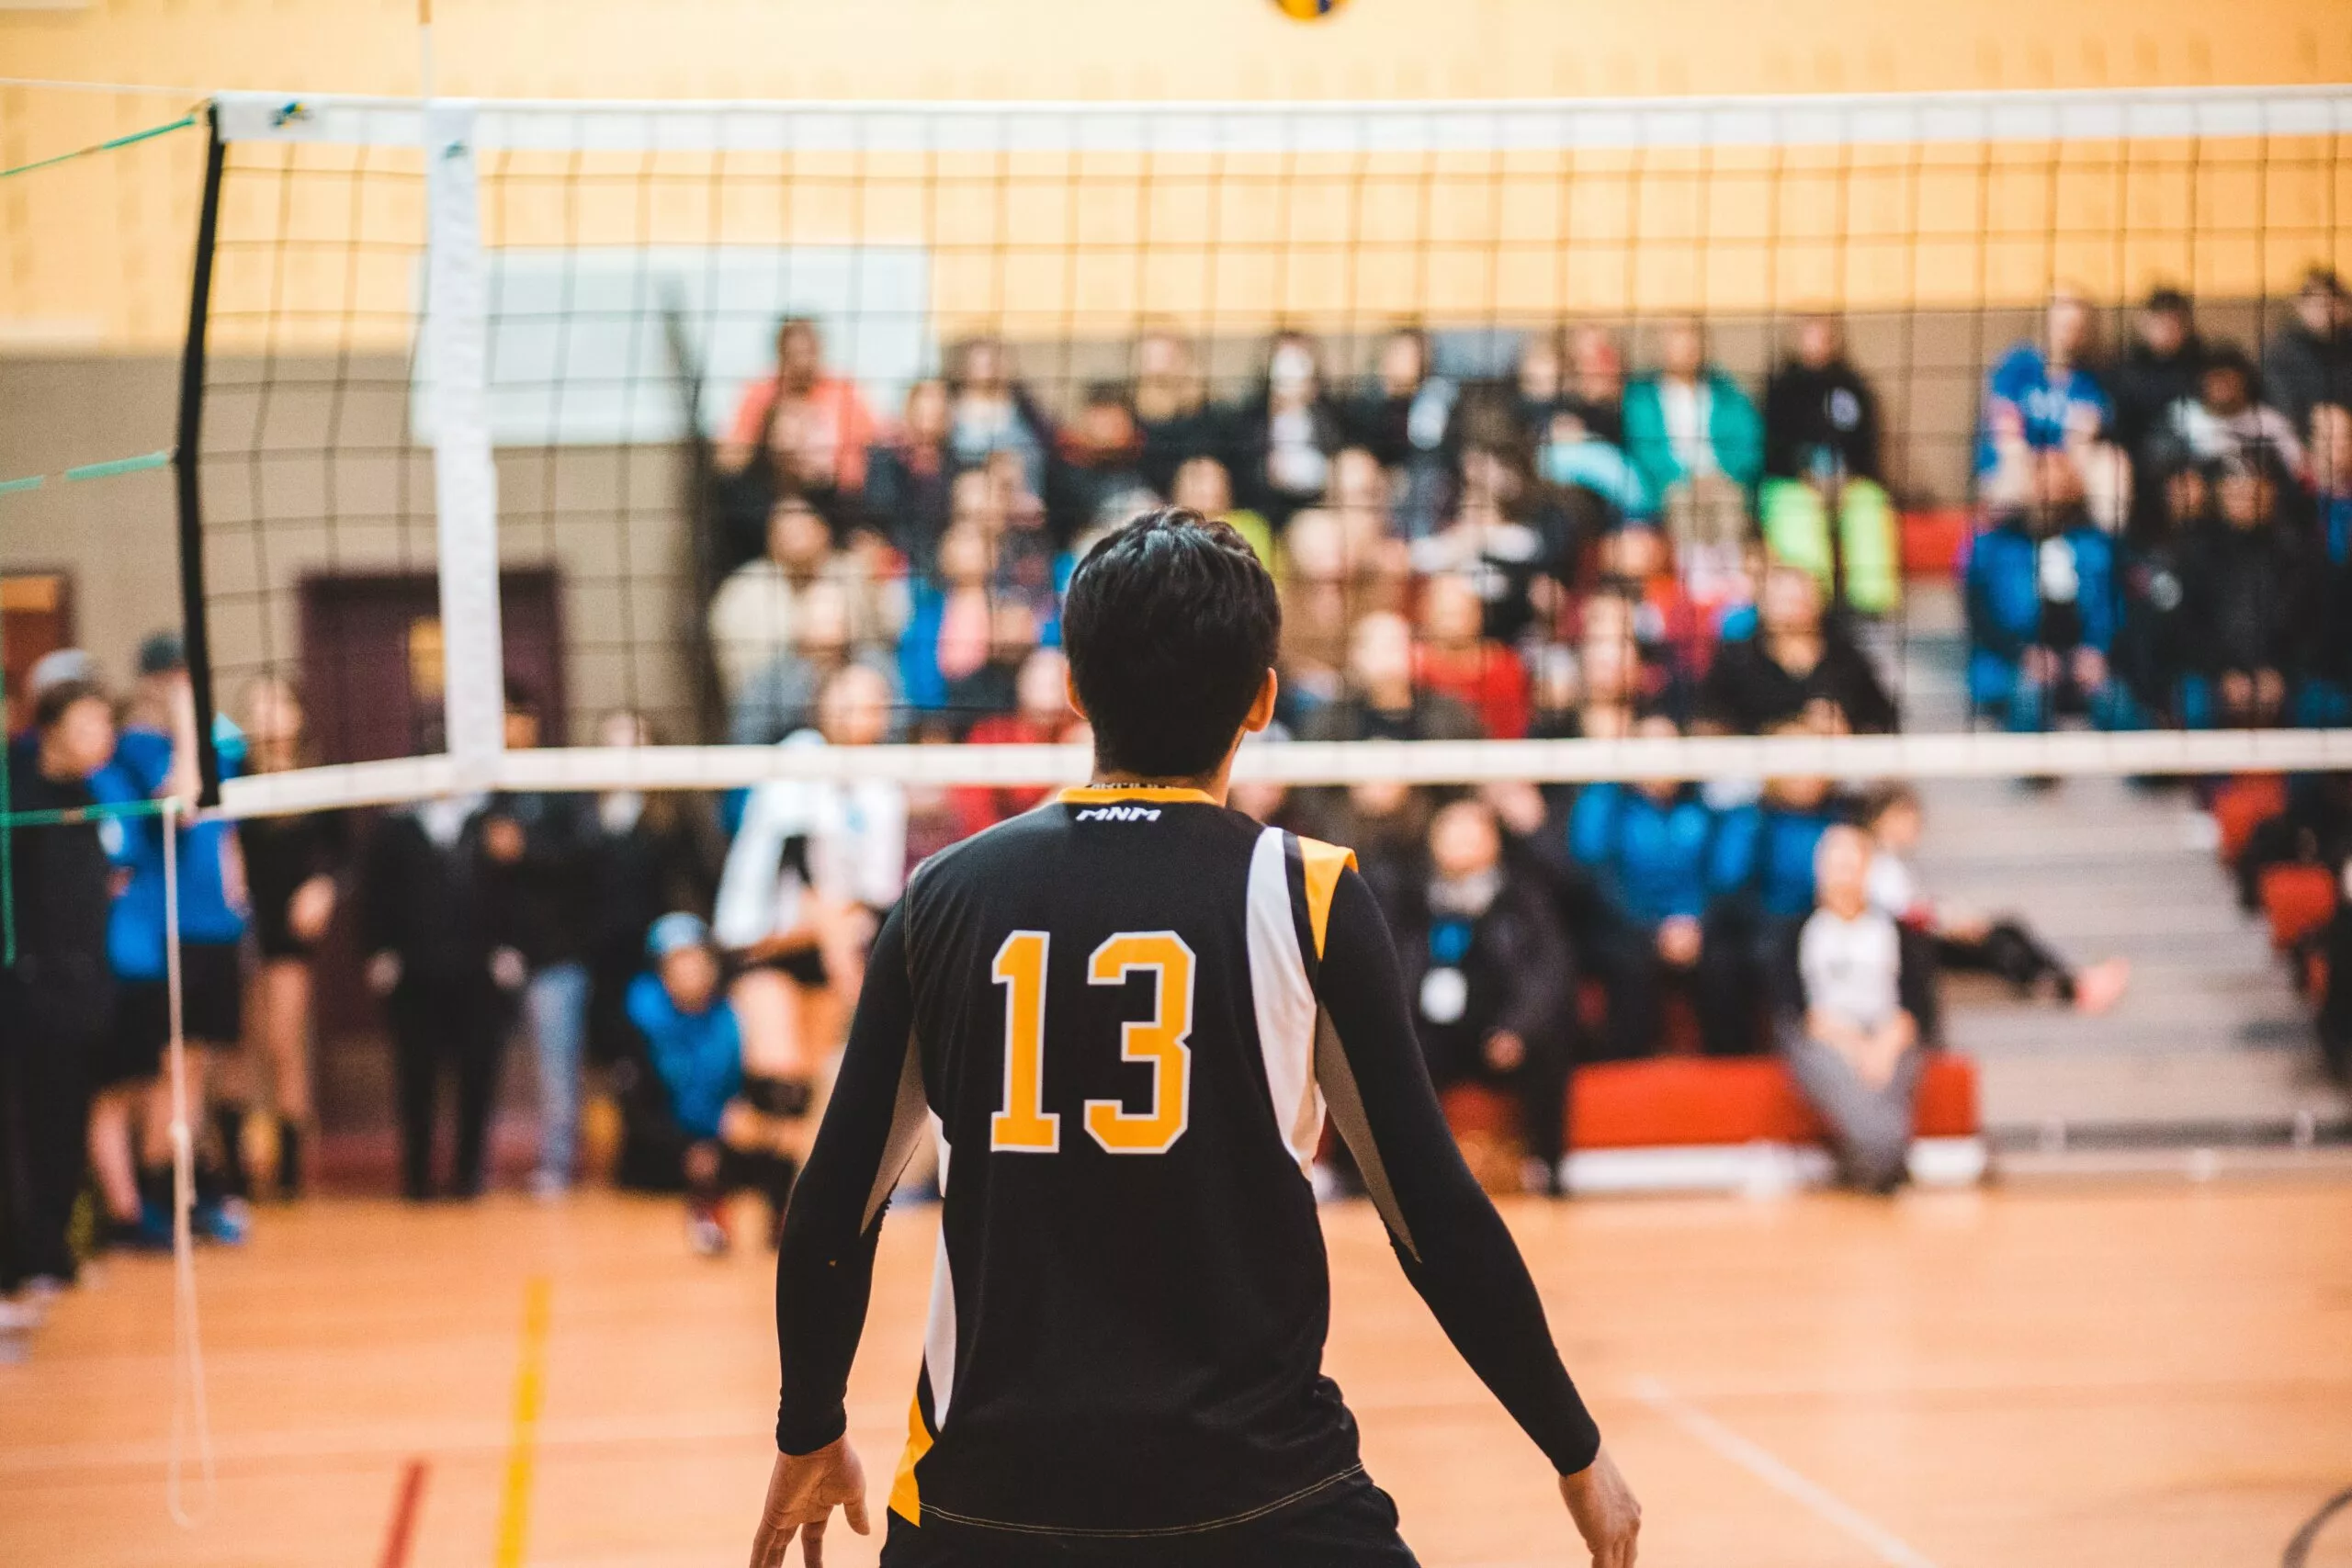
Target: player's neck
{"points": [[1214, 785]]}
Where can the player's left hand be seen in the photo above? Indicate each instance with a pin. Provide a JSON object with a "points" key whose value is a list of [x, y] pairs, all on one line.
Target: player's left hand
{"points": [[803, 1490]]}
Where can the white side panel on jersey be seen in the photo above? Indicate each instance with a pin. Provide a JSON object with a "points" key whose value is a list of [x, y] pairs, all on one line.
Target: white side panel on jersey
{"points": [[909, 1122], [1284, 1000], [939, 1331]]}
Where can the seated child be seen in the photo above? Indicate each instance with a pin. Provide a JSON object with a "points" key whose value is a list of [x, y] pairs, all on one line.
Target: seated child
{"points": [[731, 1131]]}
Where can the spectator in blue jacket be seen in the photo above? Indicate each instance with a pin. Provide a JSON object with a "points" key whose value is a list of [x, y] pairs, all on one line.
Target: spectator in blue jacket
{"points": [[2044, 396], [2045, 602], [1658, 860], [155, 759], [720, 1119]]}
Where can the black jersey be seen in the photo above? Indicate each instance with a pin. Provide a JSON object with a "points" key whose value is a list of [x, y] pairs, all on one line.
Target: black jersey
{"points": [[1129, 1011]]}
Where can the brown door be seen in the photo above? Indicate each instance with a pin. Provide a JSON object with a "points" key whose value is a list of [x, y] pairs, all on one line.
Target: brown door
{"points": [[371, 683], [36, 619], [371, 662]]}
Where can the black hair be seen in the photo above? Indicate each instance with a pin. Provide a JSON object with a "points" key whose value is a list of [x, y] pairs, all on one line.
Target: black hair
{"points": [[2226, 355], [56, 700], [1106, 395], [1170, 625], [2166, 301]]}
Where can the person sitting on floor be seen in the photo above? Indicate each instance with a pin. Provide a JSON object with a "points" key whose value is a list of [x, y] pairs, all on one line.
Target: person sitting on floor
{"points": [[1846, 1023], [730, 1132]]}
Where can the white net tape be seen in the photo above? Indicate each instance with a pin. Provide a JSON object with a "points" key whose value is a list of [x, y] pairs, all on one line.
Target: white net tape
{"points": [[1851, 756], [1828, 120]]}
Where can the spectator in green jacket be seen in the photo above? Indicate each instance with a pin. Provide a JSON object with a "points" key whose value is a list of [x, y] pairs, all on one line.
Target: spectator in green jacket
{"points": [[1698, 443], [1688, 418]]}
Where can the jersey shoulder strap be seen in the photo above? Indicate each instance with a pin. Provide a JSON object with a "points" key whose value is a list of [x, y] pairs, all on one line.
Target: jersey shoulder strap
{"points": [[1320, 866]]}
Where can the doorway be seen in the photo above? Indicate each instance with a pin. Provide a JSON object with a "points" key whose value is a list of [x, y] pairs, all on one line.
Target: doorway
{"points": [[372, 660], [36, 620]]}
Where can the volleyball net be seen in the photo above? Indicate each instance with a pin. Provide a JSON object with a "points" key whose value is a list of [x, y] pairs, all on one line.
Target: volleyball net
{"points": [[482, 412]]}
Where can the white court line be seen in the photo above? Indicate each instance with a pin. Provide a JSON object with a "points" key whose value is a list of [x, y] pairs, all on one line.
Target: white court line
{"points": [[1766, 1467]]}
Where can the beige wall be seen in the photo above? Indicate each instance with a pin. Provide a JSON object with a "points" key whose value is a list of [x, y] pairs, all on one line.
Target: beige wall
{"points": [[94, 254]]}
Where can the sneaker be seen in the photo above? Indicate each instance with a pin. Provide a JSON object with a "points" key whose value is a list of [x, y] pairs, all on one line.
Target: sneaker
{"points": [[705, 1233], [2102, 985], [1538, 1179], [222, 1220], [151, 1231]]}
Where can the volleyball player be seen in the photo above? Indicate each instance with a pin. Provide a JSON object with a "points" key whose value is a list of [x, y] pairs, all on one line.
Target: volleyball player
{"points": [[1129, 1011]]}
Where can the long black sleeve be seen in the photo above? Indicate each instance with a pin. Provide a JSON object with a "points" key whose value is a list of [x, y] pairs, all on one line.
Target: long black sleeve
{"points": [[1454, 1247], [824, 1269]]}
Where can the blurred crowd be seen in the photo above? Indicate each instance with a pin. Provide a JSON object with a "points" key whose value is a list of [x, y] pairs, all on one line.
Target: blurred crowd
{"points": [[1580, 549]]}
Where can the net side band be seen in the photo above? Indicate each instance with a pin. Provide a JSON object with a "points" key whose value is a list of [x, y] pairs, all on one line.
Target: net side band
{"points": [[1502, 126]]}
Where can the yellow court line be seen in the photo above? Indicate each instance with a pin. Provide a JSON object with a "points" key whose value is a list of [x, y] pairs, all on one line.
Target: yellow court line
{"points": [[521, 1444]]}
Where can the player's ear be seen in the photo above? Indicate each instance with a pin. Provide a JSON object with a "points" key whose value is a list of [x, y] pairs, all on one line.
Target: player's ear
{"points": [[1069, 694], [1262, 709]]}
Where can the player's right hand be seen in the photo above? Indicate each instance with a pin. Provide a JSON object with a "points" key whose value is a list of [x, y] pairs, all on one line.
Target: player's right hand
{"points": [[1605, 1511], [803, 1490]]}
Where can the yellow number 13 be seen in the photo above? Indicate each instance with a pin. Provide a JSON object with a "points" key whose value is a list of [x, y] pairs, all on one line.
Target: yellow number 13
{"points": [[1024, 1125]]}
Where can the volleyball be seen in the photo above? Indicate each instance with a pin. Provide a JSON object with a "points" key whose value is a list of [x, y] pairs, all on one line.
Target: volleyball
{"points": [[1309, 10]]}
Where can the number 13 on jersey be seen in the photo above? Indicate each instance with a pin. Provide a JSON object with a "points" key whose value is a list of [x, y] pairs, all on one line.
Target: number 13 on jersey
{"points": [[1024, 1125]]}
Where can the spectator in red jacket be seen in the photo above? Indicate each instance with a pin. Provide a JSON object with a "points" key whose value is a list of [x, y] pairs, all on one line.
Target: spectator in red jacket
{"points": [[1454, 657], [810, 427], [1041, 716]]}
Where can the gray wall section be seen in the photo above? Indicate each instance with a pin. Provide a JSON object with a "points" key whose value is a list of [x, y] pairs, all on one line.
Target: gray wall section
{"points": [[311, 473]]}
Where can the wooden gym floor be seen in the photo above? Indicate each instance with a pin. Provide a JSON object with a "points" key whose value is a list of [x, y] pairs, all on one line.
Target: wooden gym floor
{"points": [[2128, 1376]]}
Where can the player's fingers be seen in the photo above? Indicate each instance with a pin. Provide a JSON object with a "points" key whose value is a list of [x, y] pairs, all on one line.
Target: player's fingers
{"points": [[769, 1546], [812, 1544], [853, 1510]]}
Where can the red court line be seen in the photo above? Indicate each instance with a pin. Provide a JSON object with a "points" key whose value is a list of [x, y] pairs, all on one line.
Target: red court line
{"points": [[404, 1523]]}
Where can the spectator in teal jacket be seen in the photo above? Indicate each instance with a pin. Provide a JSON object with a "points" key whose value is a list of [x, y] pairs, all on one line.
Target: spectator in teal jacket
{"points": [[1690, 418]]}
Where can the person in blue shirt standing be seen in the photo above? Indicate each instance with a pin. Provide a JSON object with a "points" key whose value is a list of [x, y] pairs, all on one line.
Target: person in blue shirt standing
{"points": [[1659, 860], [2045, 606], [2045, 395], [725, 1121], [154, 758]]}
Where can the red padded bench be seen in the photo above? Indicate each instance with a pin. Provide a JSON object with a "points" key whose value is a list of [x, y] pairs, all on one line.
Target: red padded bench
{"points": [[1933, 541], [1668, 1102], [2244, 803], [2297, 900]]}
